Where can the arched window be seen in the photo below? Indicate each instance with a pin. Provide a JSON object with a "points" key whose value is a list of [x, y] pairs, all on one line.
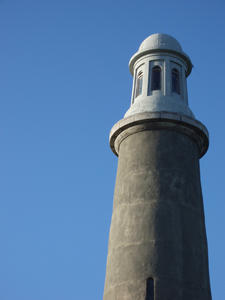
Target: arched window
{"points": [[139, 83], [175, 81], [156, 78]]}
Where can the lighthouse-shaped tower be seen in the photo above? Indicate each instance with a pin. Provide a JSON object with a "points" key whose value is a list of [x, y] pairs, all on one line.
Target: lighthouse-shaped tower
{"points": [[157, 244]]}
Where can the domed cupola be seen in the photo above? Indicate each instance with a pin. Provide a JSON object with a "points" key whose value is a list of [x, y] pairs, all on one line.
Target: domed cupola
{"points": [[160, 68]]}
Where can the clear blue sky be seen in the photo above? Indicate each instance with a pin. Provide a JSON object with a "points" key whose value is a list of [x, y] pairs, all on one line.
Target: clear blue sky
{"points": [[64, 82]]}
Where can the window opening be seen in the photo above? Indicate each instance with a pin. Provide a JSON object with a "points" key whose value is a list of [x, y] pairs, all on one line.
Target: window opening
{"points": [[149, 289], [139, 84], [156, 79], [175, 81]]}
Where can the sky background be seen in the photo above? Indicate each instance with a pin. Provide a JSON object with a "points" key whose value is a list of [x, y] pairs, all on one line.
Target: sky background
{"points": [[64, 82]]}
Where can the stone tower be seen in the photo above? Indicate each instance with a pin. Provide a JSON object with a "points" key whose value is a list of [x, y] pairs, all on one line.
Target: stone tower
{"points": [[157, 244]]}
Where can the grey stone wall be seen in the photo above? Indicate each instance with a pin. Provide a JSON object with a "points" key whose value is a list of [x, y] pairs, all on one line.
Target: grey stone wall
{"points": [[158, 228]]}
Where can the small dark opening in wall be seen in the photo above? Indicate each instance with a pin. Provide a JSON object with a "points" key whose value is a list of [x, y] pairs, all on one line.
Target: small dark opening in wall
{"points": [[139, 84], [156, 78], [149, 289], [175, 81]]}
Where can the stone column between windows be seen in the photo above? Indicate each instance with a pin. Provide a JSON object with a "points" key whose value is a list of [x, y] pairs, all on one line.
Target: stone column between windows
{"points": [[145, 78]]}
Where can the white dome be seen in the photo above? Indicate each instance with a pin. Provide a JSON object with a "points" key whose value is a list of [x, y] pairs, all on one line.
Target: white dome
{"points": [[160, 41]]}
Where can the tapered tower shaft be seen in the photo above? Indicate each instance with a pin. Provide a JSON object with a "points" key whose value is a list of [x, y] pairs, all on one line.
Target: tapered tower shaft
{"points": [[157, 244]]}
